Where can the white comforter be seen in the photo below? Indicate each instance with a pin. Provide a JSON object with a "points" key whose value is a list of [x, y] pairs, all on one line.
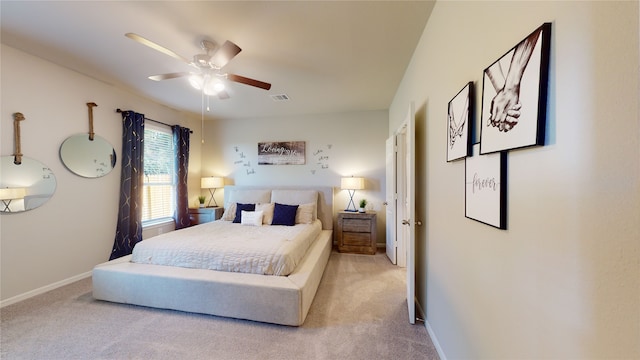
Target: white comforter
{"points": [[225, 246]]}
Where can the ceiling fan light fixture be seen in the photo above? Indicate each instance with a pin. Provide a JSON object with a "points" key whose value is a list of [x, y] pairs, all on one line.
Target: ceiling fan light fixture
{"points": [[209, 91], [202, 60], [218, 85], [196, 81], [213, 87]]}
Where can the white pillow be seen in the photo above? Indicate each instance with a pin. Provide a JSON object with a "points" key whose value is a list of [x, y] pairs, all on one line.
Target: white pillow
{"points": [[304, 214], [267, 209], [252, 218], [229, 212]]}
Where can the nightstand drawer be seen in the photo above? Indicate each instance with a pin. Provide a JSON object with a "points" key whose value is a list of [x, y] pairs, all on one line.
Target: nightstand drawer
{"points": [[205, 215], [356, 225], [200, 218], [356, 239]]}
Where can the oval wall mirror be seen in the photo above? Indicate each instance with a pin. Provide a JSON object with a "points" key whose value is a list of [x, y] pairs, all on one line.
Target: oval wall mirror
{"points": [[88, 158], [26, 186]]}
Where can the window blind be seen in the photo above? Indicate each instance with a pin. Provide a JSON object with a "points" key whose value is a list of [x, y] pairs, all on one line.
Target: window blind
{"points": [[158, 198]]}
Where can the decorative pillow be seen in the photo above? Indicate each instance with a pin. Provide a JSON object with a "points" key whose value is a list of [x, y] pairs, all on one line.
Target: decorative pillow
{"points": [[304, 215], [229, 212], [252, 218], [284, 214], [239, 208], [267, 209]]}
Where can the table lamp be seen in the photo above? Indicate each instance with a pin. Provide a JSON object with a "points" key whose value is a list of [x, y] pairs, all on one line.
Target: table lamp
{"points": [[351, 184], [212, 183]]}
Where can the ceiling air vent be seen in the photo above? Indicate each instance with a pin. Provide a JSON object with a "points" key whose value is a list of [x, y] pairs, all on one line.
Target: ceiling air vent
{"points": [[280, 97]]}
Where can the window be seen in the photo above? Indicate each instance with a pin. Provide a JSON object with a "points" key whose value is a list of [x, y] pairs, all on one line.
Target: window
{"points": [[158, 199]]}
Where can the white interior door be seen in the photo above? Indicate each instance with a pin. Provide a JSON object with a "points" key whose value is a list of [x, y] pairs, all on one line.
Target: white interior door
{"points": [[390, 199], [410, 221], [402, 233]]}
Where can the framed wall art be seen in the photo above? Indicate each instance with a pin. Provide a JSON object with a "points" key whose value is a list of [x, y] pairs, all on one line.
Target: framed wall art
{"points": [[486, 188], [281, 153], [514, 95], [459, 120]]}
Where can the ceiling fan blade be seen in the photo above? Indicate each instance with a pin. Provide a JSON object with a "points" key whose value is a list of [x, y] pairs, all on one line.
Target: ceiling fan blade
{"points": [[227, 52], [155, 46], [168, 76], [223, 95], [248, 81]]}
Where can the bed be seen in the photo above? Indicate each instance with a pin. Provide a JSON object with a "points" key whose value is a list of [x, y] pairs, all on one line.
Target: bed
{"points": [[274, 294]]}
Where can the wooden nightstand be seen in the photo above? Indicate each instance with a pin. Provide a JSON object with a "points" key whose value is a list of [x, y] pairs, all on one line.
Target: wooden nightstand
{"points": [[356, 232], [205, 215]]}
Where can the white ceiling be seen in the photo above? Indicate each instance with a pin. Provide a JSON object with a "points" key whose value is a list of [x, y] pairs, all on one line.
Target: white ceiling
{"points": [[327, 56]]}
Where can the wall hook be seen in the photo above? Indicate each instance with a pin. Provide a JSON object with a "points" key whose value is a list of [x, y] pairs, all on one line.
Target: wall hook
{"points": [[17, 117], [90, 105]]}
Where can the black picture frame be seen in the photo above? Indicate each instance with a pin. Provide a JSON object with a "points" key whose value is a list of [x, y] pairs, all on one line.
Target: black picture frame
{"points": [[486, 188], [514, 95], [459, 122]]}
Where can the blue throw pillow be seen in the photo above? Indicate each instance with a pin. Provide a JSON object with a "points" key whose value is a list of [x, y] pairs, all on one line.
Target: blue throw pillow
{"points": [[239, 208], [284, 214]]}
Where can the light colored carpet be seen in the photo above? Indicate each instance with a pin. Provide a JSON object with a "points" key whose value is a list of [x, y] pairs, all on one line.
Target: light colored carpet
{"points": [[359, 312]]}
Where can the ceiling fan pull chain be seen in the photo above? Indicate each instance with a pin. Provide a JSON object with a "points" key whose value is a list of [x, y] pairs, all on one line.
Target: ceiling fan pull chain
{"points": [[202, 116]]}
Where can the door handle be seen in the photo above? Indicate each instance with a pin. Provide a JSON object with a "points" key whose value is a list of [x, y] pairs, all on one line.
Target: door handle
{"points": [[406, 222]]}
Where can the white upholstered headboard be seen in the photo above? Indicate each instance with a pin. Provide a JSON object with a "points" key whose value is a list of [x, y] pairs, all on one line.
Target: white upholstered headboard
{"points": [[262, 194]]}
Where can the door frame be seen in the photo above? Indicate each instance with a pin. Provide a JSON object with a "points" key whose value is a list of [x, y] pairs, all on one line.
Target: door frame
{"points": [[396, 209], [405, 221]]}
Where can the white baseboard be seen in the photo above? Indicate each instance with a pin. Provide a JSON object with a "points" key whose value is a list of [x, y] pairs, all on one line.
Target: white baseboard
{"points": [[43, 289], [434, 340], [432, 335]]}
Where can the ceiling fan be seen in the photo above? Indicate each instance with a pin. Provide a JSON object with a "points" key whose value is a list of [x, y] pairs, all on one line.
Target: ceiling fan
{"points": [[209, 76]]}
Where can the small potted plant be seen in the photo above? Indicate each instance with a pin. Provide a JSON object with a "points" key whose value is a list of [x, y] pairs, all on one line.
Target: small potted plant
{"points": [[201, 200], [363, 203]]}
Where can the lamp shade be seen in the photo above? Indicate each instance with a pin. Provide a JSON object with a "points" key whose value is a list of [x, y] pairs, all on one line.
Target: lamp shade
{"points": [[352, 183], [12, 193], [212, 182]]}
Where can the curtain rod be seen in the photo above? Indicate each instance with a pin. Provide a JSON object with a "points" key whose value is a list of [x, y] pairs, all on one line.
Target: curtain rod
{"points": [[159, 122]]}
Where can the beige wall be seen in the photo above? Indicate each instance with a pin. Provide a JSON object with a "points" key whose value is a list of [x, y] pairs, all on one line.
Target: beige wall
{"points": [[74, 230], [353, 144], [563, 280]]}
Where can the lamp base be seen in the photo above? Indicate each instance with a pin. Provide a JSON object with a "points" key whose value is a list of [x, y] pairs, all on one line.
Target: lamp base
{"points": [[351, 207], [215, 204]]}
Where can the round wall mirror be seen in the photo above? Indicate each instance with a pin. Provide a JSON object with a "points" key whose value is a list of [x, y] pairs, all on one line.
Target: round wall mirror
{"points": [[26, 186], [88, 158]]}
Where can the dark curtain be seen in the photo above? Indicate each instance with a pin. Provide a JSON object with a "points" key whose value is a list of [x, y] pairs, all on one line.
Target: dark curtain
{"points": [[181, 144], [129, 227]]}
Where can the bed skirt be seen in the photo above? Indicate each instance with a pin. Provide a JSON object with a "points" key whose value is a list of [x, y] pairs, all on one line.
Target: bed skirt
{"points": [[281, 300]]}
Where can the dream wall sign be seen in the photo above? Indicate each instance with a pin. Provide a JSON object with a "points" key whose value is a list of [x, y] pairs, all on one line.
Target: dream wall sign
{"points": [[514, 95], [281, 153]]}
